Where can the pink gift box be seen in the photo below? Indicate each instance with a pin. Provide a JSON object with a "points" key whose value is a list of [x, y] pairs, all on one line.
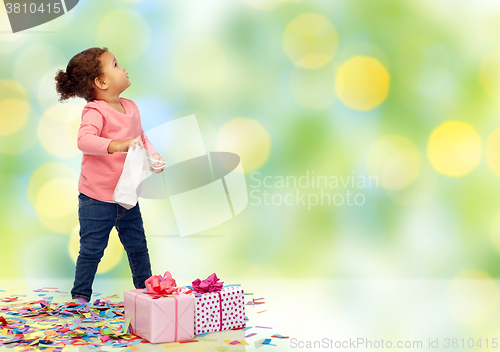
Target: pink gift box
{"points": [[166, 319], [216, 311]]}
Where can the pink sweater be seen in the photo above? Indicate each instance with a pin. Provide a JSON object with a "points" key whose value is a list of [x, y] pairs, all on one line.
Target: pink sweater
{"points": [[100, 125]]}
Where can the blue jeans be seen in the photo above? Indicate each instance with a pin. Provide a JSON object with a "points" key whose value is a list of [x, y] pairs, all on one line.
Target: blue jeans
{"points": [[96, 221]]}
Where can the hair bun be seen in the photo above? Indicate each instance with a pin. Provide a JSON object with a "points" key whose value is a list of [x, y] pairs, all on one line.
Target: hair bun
{"points": [[64, 86]]}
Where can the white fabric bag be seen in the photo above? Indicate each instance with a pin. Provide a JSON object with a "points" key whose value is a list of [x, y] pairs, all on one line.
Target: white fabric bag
{"points": [[135, 171]]}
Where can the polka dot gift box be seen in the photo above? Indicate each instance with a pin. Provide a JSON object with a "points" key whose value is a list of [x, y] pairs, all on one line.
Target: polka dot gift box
{"points": [[216, 307]]}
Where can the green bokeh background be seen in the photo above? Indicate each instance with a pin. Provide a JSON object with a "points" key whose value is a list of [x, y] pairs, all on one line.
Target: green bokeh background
{"points": [[436, 226]]}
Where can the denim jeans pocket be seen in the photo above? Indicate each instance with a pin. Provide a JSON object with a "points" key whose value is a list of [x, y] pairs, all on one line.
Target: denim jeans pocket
{"points": [[84, 200]]}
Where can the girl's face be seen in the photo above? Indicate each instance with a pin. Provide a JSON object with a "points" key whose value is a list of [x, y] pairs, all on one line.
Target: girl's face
{"points": [[114, 75]]}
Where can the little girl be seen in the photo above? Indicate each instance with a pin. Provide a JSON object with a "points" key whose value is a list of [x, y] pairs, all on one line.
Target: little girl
{"points": [[110, 124]]}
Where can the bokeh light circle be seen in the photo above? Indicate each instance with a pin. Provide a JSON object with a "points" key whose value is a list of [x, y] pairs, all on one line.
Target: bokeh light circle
{"points": [[47, 94], [419, 191], [125, 33], [14, 107], [395, 161], [489, 74], [112, 254], [454, 148], [199, 65], [21, 141], [58, 129], [12, 90], [52, 191], [13, 115], [472, 296], [45, 173], [50, 204], [312, 88], [492, 151], [310, 40], [247, 138], [56, 204], [34, 62], [362, 83]]}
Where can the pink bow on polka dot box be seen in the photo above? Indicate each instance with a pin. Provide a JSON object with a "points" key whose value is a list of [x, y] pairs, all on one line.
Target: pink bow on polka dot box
{"points": [[222, 308]]}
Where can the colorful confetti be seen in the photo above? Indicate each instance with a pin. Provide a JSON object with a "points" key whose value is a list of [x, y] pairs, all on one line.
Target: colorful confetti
{"points": [[51, 325], [279, 336], [46, 325]]}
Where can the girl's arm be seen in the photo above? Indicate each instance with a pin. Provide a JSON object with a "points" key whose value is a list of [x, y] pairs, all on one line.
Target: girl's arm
{"points": [[154, 154], [91, 142], [117, 146], [147, 144], [89, 135]]}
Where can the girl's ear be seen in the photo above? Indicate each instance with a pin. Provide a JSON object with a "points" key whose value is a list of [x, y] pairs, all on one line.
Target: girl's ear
{"points": [[101, 83]]}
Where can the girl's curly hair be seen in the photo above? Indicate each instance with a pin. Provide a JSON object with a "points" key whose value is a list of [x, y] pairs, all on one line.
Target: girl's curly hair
{"points": [[78, 80]]}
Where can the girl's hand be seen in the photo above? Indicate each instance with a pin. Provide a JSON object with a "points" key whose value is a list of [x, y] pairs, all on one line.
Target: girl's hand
{"points": [[117, 146], [133, 143], [157, 156]]}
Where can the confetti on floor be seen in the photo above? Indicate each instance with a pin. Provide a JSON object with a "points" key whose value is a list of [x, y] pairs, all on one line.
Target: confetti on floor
{"points": [[174, 344], [189, 341], [279, 336], [44, 324], [254, 302], [235, 342], [47, 324]]}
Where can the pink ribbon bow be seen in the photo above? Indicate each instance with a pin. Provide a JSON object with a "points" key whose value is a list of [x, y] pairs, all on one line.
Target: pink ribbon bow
{"points": [[161, 285], [210, 284]]}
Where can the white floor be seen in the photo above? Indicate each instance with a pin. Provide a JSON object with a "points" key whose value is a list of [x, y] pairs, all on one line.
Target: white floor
{"points": [[331, 314]]}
